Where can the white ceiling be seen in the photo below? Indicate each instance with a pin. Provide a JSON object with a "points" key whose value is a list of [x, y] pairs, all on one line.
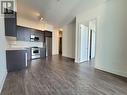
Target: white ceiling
{"points": [[55, 12]]}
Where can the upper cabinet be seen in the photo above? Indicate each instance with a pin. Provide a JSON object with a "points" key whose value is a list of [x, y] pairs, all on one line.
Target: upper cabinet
{"points": [[10, 24], [23, 34], [29, 34], [48, 34], [40, 34]]}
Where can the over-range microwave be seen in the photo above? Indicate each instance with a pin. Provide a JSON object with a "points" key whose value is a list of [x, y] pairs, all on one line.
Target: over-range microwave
{"points": [[34, 38]]}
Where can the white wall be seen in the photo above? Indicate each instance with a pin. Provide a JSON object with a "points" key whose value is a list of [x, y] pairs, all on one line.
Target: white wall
{"points": [[29, 23], [111, 53], [55, 41], [68, 46], [3, 70]]}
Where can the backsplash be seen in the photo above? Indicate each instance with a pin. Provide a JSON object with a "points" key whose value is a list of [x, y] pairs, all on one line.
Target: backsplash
{"points": [[12, 43]]}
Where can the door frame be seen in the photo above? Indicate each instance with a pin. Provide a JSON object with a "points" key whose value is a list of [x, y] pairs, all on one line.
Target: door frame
{"points": [[95, 37], [80, 43]]}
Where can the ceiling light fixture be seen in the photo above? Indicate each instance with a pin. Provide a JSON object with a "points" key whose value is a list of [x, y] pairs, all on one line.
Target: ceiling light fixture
{"points": [[41, 19]]}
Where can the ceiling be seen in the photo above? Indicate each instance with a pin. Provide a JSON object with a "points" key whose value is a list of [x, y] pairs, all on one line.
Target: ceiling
{"points": [[55, 12]]}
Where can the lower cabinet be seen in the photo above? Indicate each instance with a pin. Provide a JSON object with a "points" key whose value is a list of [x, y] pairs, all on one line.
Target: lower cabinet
{"points": [[29, 54], [16, 60], [42, 52]]}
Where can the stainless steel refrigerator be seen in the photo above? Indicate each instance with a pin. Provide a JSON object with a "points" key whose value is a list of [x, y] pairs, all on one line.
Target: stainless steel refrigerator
{"points": [[48, 46]]}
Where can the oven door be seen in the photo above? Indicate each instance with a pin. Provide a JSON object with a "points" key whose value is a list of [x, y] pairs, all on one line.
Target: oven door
{"points": [[35, 51]]}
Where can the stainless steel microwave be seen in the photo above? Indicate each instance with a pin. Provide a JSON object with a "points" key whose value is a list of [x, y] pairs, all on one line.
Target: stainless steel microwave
{"points": [[34, 38]]}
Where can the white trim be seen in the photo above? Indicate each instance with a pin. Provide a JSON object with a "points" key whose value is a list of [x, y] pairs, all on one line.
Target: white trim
{"points": [[3, 80], [116, 72]]}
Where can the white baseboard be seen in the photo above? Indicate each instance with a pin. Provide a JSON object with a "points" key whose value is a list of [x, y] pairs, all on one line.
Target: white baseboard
{"points": [[3, 80], [116, 72]]}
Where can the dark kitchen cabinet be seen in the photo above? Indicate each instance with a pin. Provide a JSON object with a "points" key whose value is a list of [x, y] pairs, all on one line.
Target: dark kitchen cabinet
{"points": [[16, 60], [48, 34], [20, 34], [48, 42], [10, 24], [24, 34], [42, 52], [28, 54], [40, 34]]}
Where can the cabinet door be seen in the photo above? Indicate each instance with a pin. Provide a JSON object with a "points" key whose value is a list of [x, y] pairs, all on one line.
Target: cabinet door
{"points": [[41, 36], [23, 34], [42, 52], [16, 60], [48, 46], [10, 25], [27, 34], [28, 54], [48, 34], [20, 34]]}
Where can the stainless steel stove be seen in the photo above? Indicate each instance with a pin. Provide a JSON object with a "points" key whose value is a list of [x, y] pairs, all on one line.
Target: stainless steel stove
{"points": [[35, 52]]}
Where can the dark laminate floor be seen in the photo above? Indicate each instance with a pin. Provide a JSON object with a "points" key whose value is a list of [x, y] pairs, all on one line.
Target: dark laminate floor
{"points": [[58, 76]]}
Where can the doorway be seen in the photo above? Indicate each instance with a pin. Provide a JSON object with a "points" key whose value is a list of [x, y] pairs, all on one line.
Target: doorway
{"points": [[60, 42], [87, 41], [83, 43], [92, 38], [60, 46], [90, 50]]}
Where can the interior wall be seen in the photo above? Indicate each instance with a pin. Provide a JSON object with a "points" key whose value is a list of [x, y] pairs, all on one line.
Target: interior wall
{"points": [[3, 69], [55, 41], [29, 23], [111, 54], [68, 40]]}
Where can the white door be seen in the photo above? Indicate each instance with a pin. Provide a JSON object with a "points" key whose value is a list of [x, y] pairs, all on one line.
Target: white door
{"points": [[83, 43]]}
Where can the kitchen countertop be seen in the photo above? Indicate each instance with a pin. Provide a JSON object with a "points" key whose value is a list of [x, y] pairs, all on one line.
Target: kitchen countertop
{"points": [[16, 49], [19, 48], [12, 47]]}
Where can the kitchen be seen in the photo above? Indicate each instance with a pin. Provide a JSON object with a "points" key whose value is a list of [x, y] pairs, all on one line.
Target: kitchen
{"points": [[24, 44]]}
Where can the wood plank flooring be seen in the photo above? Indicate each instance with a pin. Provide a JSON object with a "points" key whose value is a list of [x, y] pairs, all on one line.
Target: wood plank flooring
{"points": [[60, 76]]}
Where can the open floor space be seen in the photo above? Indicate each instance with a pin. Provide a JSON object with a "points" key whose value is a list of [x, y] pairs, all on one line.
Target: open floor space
{"points": [[61, 76]]}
